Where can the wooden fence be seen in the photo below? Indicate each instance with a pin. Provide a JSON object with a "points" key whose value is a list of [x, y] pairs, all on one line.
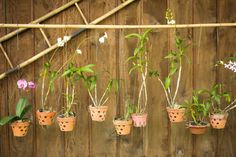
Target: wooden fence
{"points": [[159, 138]]}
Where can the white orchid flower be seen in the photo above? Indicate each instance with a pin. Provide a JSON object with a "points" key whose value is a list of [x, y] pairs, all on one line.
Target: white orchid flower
{"points": [[78, 51], [171, 22], [60, 42], [103, 38]]}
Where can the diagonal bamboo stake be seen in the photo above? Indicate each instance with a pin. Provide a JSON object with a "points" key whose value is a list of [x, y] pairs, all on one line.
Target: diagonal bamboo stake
{"points": [[45, 37], [81, 13], [39, 20], [6, 56], [53, 47]]}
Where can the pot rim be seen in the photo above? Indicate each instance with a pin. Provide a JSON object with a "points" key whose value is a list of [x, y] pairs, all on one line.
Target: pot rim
{"points": [[122, 122], [98, 107], [175, 109], [19, 121], [139, 115], [46, 111], [197, 126], [219, 114]]}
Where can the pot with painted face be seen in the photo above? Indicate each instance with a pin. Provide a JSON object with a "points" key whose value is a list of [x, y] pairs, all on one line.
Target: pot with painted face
{"points": [[45, 117], [176, 115], [98, 113], [20, 128], [218, 121], [66, 123]]}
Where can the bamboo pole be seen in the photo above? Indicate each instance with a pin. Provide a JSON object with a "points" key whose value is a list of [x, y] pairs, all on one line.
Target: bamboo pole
{"points": [[6, 56], [45, 37], [81, 13], [53, 47], [39, 20], [93, 26]]}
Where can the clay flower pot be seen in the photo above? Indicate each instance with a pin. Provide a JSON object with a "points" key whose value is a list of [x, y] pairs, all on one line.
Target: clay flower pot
{"points": [[176, 115], [66, 123], [139, 120], [20, 128], [218, 121], [197, 129], [98, 113], [123, 127], [45, 117]]}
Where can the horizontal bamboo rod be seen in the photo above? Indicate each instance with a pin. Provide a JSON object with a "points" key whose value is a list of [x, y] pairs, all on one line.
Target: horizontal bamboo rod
{"points": [[92, 26], [41, 19]]}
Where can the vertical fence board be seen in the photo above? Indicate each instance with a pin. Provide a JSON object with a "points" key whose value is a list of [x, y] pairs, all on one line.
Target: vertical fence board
{"points": [[4, 131], [205, 52], [226, 38], [20, 13], [50, 141], [104, 56], [180, 138]]}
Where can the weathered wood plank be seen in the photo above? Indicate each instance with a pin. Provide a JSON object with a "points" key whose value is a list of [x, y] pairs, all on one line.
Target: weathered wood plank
{"points": [[205, 41], [225, 48], [50, 141], [19, 13], [180, 138], [104, 56], [4, 131]]}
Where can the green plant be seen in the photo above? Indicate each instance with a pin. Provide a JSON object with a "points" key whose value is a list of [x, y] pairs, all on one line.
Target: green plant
{"points": [[139, 61], [22, 108], [128, 110], [216, 96], [72, 74], [197, 108], [175, 67], [48, 76], [91, 85]]}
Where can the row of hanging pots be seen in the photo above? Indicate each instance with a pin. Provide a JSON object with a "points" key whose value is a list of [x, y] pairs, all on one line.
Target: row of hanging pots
{"points": [[217, 121]]}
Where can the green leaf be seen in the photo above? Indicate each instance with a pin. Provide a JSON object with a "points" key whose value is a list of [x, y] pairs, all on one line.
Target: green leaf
{"points": [[153, 73], [172, 71], [25, 110], [167, 82], [7, 120], [20, 106], [86, 68], [133, 35], [134, 68], [116, 86]]}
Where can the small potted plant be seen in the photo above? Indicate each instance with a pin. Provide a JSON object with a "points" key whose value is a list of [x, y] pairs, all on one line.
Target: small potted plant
{"points": [[197, 109], [123, 123], [218, 116], [72, 74], [46, 113], [98, 109], [139, 61], [175, 110], [19, 122]]}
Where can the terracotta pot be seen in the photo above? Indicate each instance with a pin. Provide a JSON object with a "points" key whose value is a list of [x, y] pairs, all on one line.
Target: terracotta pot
{"points": [[218, 121], [198, 129], [139, 120], [45, 117], [20, 128], [123, 127], [176, 115], [98, 113], [66, 123]]}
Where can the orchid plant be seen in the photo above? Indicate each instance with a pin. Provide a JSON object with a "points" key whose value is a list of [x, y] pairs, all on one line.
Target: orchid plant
{"points": [[169, 17], [22, 107], [175, 67], [91, 85], [48, 76], [139, 61], [72, 74], [197, 108]]}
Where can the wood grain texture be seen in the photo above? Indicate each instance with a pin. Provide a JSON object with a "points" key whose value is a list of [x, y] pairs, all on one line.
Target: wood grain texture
{"points": [[91, 139]]}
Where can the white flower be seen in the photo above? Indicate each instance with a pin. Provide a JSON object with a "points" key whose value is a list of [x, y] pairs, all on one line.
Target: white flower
{"points": [[103, 38], [171, 22], [60, 42], [78, 51], [66, 38]]}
